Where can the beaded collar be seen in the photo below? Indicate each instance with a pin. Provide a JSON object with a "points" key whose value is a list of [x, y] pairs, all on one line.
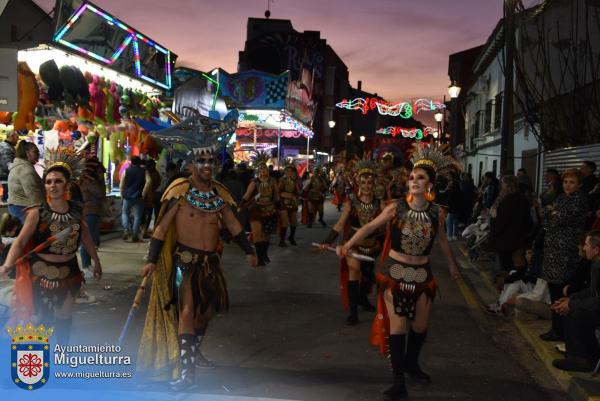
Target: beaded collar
{"points": [[204, 201]]}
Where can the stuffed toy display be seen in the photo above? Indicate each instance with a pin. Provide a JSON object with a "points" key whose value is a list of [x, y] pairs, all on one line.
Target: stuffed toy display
{"points": [[29, 94]]}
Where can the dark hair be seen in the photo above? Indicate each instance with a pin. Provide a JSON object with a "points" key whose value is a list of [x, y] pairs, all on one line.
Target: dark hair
{"points": [[23, 147], [150, 165], [594, 238], [136, 161], [553, 171], [430, 172], [590, 164], [61, 169], [522, 170], [489, 174], [171, 167]]}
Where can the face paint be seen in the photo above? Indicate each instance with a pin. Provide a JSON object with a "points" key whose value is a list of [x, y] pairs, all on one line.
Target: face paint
{"points": [[204, 161]]}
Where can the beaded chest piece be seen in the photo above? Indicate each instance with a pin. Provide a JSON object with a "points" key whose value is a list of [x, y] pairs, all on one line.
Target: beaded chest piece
{"points": [[414, 231], [204, 201], [51, 223], [289, 185], [266, 190], [364, 212]]}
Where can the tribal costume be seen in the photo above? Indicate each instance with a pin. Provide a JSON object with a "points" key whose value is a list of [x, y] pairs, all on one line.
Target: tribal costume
{"points": [[42, 286], [288, 195], [411, 235], [358, 211], [162, 351], [314, 194], [339, 190]]}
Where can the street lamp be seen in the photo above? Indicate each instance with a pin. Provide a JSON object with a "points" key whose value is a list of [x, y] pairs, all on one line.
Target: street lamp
{"points": [[439, 117], [331, 124], [348, 135], [454, 90], [362, 138]]}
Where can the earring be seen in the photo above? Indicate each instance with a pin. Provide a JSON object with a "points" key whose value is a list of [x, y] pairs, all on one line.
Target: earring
{"points": [[430, 196], [48, 199], [67, 195], [409, 198]]}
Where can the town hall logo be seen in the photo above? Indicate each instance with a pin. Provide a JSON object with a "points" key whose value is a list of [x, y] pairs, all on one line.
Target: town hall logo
{"points": [[30, 355]]}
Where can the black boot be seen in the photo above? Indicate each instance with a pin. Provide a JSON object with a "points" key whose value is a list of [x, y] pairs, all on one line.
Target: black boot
{"points": [[201, 361], [282, 237], [311, 217], [352, 319], [266, 252], [366, 283], [62, 330], [415, 343], [260, 254], [187, 360], [292, 236], [321, 220], [398, 389]]}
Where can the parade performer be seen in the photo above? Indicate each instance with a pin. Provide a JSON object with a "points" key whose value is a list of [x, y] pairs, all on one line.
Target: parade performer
{"points": [[356, 277], [48, 281], [397, 185], [262, 200], [184, 258], [338, 187], [314, 195], [380, 185], [408, 287], [288, 194]]}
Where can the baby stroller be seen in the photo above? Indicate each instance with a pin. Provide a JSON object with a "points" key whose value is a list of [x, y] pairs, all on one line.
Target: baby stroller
{"points": [[476, 236]]}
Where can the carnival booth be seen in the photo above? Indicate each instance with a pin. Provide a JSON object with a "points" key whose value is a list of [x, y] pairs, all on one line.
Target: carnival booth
{"points": [[88, 87], [275, 113]]}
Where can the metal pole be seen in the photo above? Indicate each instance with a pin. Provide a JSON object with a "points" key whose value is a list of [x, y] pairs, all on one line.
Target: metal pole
{"points": [[307, 150], [507, 132], [279, 140]]}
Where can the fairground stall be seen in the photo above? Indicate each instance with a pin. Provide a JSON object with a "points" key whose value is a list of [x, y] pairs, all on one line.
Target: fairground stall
{"points": [[87, 87]]}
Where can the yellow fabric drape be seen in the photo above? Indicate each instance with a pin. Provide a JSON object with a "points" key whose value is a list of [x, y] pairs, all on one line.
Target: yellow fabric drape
{"points": [[158, 354]]}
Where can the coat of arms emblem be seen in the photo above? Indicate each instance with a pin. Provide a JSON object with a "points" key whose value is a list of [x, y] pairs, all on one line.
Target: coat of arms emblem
{"points": [[30, 355]]}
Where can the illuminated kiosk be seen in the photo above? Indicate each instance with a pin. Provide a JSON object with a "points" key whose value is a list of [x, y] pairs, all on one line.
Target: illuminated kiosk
{"points": [[275, 112]]}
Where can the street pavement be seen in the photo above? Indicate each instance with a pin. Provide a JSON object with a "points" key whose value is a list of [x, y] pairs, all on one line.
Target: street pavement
{"points": [[285, 335]]}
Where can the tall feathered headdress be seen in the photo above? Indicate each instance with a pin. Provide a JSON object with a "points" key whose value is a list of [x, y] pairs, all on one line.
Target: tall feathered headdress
{"points": [[261, 158], [198, 135], [67, 159], [434, 156], [365, 166]]}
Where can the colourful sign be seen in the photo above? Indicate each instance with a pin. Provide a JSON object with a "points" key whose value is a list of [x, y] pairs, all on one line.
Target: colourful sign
{"points": [[253, 89]]}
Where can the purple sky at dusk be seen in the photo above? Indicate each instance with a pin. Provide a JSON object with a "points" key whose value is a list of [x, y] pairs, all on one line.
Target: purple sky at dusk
{"points": [[398, 48]]}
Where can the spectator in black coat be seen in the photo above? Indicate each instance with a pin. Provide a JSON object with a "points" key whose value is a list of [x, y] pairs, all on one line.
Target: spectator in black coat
{"points": [[510, 225], [582, 315]]}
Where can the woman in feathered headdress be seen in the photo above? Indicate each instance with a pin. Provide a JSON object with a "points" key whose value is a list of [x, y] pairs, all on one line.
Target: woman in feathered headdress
{"points": [[49, 279], [261, 198], [408, 286], [356, 277], [289, 190]]}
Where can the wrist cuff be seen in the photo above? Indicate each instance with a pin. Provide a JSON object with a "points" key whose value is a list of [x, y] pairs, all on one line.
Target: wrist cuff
{"points": [[154, 250], [242, 241], [331, 237]]}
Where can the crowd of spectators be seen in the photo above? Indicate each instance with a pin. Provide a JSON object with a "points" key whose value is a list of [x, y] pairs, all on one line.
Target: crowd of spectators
{"points": [[548, 252]]}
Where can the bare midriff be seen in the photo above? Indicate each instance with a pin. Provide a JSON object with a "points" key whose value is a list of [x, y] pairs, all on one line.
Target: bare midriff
{"points": [[408, 259]]}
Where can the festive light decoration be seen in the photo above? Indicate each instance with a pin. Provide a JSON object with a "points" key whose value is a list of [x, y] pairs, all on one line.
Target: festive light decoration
{"points": [[274, 119], [403, 109], [416, 133], [132, 38]]}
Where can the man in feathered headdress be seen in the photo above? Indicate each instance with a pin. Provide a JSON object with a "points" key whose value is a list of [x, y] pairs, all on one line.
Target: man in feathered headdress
{"points": [[185, 261]]}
